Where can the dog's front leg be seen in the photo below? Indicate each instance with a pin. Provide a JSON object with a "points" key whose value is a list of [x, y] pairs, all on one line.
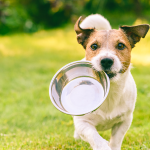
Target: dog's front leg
{"points": [[89, 134], [118, 132]]}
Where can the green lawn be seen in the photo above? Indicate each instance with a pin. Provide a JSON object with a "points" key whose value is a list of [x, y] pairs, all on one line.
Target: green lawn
{"points": [[28, 119]]}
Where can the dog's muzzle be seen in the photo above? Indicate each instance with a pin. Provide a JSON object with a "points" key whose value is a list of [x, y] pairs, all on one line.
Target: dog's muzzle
{"points": [[106, 64]]}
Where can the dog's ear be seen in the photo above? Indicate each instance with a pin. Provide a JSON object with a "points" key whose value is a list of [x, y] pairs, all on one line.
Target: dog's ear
{"points": [[82, 34], [134, 33]]}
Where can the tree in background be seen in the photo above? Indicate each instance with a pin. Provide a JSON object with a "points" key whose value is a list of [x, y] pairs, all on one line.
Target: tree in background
{"points": [[31, 15]]}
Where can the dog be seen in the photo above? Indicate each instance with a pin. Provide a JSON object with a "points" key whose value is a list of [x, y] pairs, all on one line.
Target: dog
{"points": [[109, 50]]}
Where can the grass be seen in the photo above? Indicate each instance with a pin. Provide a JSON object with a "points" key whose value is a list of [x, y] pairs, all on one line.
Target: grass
{"points": [[28, 119]]}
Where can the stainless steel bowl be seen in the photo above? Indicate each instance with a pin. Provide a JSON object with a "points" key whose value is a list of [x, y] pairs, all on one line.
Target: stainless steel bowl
{"points": [[78, 89]]}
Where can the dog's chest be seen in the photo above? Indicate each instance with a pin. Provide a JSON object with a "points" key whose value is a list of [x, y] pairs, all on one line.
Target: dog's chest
{"points": [[108, 121], [105, 121]]}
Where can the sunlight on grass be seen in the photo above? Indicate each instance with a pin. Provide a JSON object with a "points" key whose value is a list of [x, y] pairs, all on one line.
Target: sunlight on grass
{"points": [[56, 40], [15, 45], [5, 49]]}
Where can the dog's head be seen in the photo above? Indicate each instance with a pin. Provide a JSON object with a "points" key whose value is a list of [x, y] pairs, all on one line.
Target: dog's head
{"points": [[110, 50]]}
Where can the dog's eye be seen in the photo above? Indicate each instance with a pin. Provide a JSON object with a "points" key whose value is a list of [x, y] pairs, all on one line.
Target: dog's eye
{"points": [[94, 46], [120, 46]]}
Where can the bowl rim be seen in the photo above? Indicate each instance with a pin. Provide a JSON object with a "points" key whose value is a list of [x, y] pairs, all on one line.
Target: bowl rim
{"points": [[66, 66]]}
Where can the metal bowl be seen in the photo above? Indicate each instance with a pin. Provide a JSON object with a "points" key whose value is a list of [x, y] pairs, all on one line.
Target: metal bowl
{"points": [[78, 89]]}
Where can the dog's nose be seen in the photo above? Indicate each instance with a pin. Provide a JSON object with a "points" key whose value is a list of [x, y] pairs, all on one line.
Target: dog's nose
{"points": [[107, 63]]}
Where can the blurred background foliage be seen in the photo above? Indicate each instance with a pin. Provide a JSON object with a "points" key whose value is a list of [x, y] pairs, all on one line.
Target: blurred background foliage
{"points": [[32, 15], [29, 61]]}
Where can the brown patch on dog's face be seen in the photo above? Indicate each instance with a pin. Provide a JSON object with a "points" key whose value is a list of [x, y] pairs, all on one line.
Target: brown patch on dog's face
{"points": [[113, 41], [98, 38]]}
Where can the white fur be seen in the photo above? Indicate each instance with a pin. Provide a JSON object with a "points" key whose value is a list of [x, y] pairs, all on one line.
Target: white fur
{"points": [[116, 112], [96, 21]]}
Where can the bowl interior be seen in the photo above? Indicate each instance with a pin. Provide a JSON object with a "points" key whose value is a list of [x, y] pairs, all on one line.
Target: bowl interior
{"points": [[78, 89]]}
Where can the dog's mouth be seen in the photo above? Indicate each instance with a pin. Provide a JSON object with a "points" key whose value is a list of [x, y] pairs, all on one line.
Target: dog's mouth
{"points": [[110, 74]]}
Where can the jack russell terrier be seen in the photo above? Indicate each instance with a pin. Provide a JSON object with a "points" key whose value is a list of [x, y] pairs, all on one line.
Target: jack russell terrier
{"points": [[109, 50]]}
